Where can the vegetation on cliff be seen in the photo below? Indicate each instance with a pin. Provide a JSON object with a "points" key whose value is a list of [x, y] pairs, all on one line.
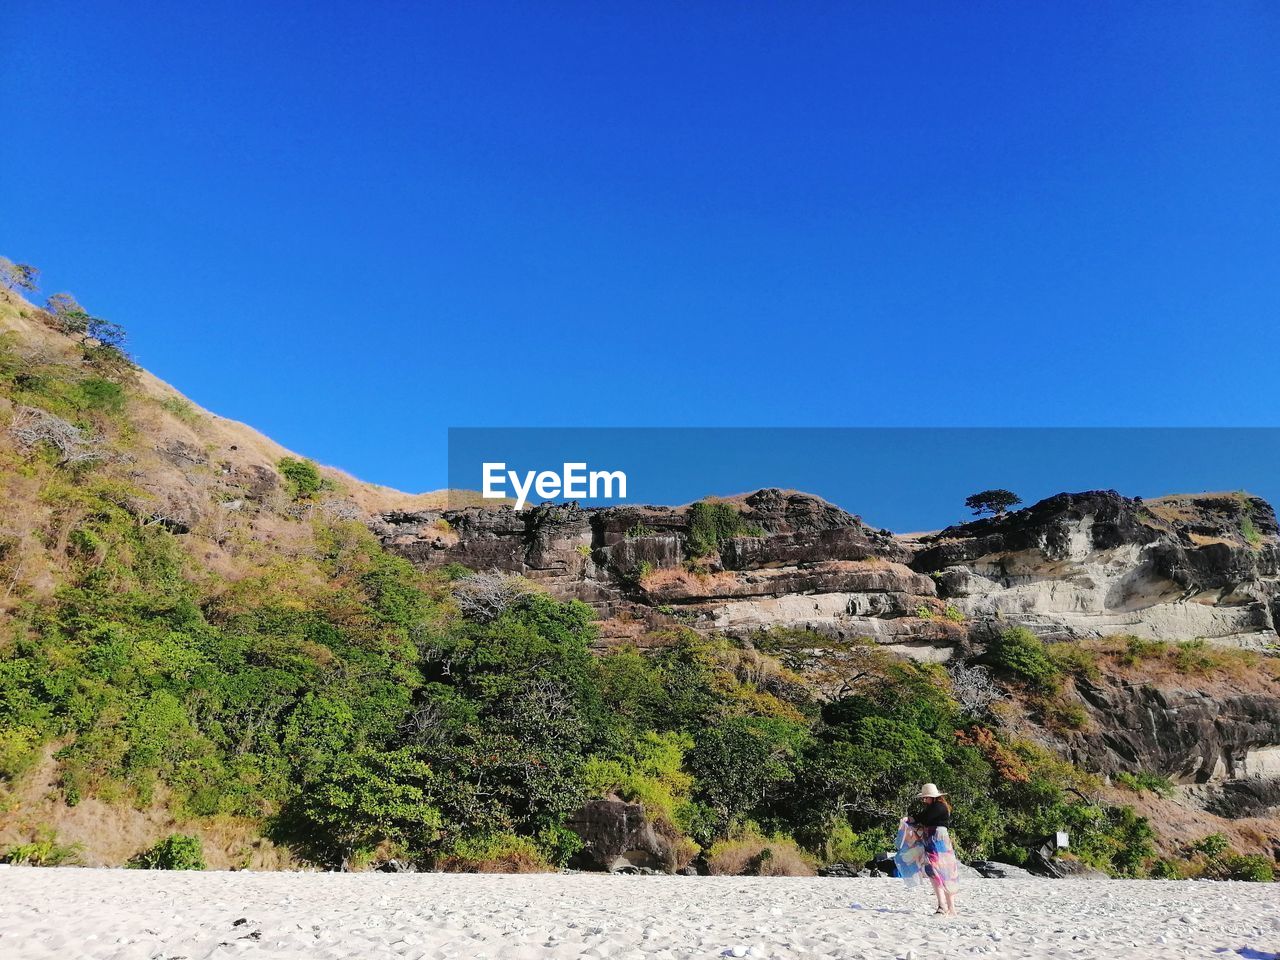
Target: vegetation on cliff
{"points": [[248, 652]]}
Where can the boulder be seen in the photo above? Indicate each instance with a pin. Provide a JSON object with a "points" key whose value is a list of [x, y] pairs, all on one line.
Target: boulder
{"points": [[843, 870], [617, 836], [993, 870], [1061, 868]]}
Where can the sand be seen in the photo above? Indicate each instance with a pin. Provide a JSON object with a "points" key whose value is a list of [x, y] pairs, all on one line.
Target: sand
{"points": [[135, 915]]}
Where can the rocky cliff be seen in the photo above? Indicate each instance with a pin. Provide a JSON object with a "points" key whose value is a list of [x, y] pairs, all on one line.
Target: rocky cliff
{"points": [[1074, 565], [1097, 563], [803, 562]]}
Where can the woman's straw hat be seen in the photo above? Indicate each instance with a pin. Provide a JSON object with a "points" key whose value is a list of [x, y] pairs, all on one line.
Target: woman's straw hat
{"points": [[931, 790]]}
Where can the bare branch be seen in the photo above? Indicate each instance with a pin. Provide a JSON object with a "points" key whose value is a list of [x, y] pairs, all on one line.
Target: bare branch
{"points": [[32, 427], [973, 689], [486, 596]]}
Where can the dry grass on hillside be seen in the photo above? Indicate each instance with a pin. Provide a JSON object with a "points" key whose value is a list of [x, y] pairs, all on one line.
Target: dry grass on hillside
{"points": [[213, 480], [171, 416], [1181, 823], [108, 834], [1211, 668]]}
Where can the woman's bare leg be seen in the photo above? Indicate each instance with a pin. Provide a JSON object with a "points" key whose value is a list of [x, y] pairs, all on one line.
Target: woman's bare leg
{"points": [[951, 902]]}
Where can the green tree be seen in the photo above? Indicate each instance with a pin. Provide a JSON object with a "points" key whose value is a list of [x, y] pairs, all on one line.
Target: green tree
{"points": [[992, 501], [365, 798], [19, 276], [740, 762]]}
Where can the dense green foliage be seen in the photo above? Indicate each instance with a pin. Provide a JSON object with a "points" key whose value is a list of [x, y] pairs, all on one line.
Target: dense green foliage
{"points": [[302, 477], [711, 522], [1020, 654], [177, 851]]}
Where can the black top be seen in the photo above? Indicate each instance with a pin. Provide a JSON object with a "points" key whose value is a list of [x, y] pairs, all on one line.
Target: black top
{"points": [[933, 815]]}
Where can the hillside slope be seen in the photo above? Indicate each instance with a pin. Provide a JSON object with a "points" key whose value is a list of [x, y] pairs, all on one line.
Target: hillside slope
{"points": [[216, 481], [201, 634]]}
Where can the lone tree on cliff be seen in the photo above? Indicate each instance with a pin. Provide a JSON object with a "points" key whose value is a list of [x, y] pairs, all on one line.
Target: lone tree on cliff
{"points": [[992, 501], [19, 276]]}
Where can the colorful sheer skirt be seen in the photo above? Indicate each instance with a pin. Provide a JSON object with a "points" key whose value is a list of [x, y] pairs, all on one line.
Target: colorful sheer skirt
{"points": [[923, 851]]}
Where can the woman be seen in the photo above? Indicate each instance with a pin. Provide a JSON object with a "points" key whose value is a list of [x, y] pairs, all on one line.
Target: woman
{"points": [[924, 846]]}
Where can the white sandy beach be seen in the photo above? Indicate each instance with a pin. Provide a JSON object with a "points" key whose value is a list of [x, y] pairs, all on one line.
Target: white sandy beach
{"points": [[136, 915]]}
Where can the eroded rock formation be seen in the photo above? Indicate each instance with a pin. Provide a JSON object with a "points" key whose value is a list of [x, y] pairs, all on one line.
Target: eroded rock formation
{"points": [[1221, 745], [806, 563], [1074, 565], [1097, 563]]}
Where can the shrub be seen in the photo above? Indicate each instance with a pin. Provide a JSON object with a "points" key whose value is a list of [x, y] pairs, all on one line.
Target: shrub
{"points": [[1195, 656], [1058, 713], [1212, 846], [857, 849], [1136, 649], [181, 408], [301, 476], [1074, 658], [1145, 780], [1164, 869], [493, 853], [1019, 653], [749, 853], [455, 571], [954, 614], [558, 844], [1249, 530], [639, 529], [44, 851], [710, 524], [178, 851], [19, 749], [101, 395], [1251, 867]]}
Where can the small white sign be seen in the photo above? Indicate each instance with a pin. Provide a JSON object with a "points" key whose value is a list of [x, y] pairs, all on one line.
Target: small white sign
{"points": [[1063, 840]]}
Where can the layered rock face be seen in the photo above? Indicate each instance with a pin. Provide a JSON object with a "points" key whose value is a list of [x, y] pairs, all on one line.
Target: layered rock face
{"points": [[1222, 746], [1095, 564], [806, 564], [1075, 565]]}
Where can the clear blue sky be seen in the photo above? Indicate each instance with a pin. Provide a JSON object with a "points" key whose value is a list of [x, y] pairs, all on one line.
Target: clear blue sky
{"points": [[354, 225]]}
